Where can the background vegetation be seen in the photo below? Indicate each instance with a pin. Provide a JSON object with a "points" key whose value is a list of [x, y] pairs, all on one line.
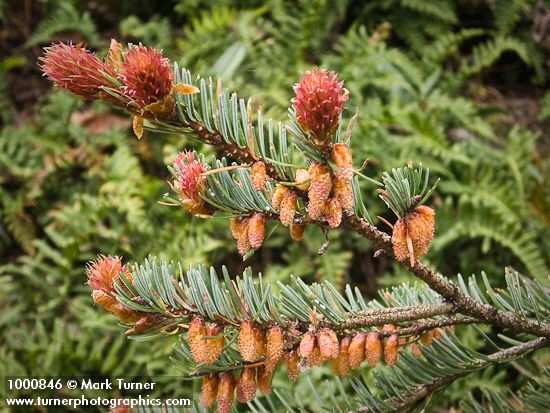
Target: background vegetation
{"points": [[457, 84]]}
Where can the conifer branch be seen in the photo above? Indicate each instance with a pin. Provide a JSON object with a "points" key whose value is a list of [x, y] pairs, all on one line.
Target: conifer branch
{"points": [[407, 403], [450, 291], [394, 315], [237, 324]]}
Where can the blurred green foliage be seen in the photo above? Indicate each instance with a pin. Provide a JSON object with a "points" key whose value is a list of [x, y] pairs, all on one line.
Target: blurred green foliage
{"points": [[454, 84]]}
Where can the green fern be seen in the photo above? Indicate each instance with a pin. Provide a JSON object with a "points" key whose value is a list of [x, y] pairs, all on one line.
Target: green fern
{"points": [[443, 10], [486, 54], [66, 18], [508, 12], [480, 223]]}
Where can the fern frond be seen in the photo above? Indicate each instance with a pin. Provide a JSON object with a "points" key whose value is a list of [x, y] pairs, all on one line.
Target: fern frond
{"points": [[442, 10], [65, 19], [490, 227], [508, 12], [486, 54], [534, 397], [448, 44]]}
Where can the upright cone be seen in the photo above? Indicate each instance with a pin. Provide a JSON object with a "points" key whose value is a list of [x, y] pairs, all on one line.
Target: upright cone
{"points": [[318, 104]]}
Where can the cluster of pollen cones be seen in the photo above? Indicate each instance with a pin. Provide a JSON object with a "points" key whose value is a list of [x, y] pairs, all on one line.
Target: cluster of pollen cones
{"points": [[263, 348]]}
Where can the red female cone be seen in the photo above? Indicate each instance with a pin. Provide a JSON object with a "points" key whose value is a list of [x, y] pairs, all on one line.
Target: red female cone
{"points": [[318, 104]]}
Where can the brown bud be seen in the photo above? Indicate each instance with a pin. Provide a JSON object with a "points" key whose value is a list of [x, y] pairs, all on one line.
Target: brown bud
{"points": [[343, 192], [277, 196], [426, 338], [256, 230], [243, 246], [391, 350], [343, 357], [119, 310], [412, 234], [246, 342], [259, 341], [264, 380], [373, 348], [292, 366], [307, 344], [319, 190], [226, 393], [214, 346], [297, 231], [239, 230], [399, 240], [328, 343], [246, 385], [315, 358], [414, 347], [197, 330], [302, 179], [333, 213], [209, 390], [421, 227], [288, 208], [275, 344], [258, 175], [357, 350], [236, 227], [341, 156]]}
